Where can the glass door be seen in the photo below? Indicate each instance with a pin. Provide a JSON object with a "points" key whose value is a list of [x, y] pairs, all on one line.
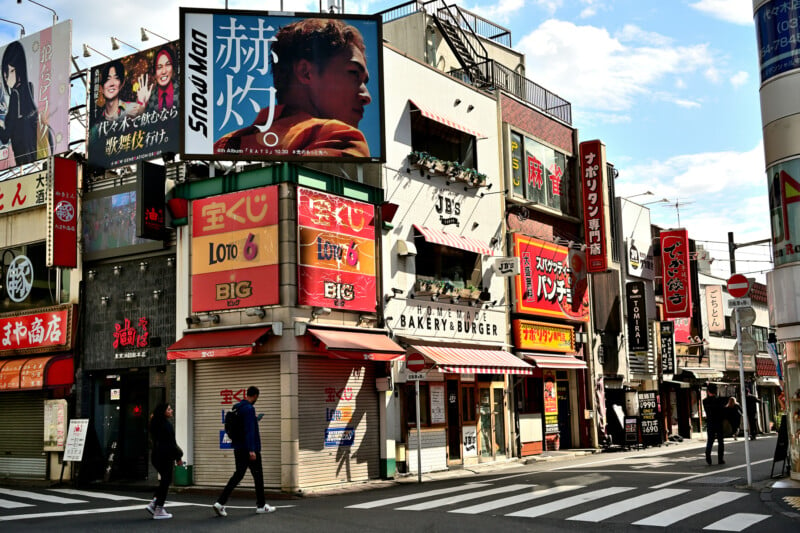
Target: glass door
{"points": [[492, 426]]}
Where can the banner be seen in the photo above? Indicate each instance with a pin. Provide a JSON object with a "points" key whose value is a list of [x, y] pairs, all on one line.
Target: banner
{"points": [[264, 86], [592, 185], [62, 219], [34, 96], [637, 316], [666, 328], [134, 107], [675, 269]]}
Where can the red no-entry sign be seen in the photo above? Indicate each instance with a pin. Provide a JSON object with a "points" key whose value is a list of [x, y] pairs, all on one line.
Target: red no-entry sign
{"points": [[738, 286], [415, 362]]}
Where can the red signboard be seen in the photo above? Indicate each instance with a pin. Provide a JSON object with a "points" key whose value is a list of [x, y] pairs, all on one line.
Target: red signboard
{"points": [[32, 332], [592, 168], [235, 250], [62, 239], [675, 269], [547, 285], [336, 260]]}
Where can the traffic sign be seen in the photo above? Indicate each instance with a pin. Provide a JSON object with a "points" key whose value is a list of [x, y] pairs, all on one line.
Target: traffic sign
{"points": [[738, 286], [418, 376], [415, 362], [739, 303], [749, 346], [746, 316]]}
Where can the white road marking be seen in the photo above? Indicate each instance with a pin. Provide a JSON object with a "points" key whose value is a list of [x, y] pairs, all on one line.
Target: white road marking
{"points": [[559, 505], [100, 510], [415, 496], [513, 500], [38, 497], [737, 522], [714, 472], [8, 504], [681, 512], [462, 497], [99, 495], [614, 509]]}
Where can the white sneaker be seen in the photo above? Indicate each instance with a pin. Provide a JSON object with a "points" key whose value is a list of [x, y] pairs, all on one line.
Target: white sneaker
{"points": [[266, 509], [161, 514], [151, 507], [220, 509]]}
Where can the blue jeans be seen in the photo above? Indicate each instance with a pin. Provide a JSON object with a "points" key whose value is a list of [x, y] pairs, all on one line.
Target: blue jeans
{"points": [[243, 462]]}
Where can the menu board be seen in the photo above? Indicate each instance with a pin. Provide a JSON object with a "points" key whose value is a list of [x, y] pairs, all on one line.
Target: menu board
{"points": [[437, 404], [649, 409]]}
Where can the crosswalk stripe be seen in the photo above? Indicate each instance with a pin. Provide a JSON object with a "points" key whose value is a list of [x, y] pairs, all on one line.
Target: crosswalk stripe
{"points": [[614, 509], [415, 496], [675, 514], [462, 497], [99, 495], [737, 522], [513, 500], [8, 504], [558, 505], [100, 510], [38, 497]]}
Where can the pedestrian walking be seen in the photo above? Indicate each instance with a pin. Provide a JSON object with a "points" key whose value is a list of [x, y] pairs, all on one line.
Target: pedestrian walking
{"points": [[752, 414], [166, 453], [247, 453], [713, 406], [734, 414]]}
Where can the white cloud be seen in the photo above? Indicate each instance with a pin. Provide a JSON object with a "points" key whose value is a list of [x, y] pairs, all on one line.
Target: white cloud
{"points": [[688, 104], [635, 34], [740, 78], [735, 11]]}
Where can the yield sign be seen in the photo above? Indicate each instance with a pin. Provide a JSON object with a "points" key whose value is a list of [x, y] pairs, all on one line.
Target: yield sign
{"points": [[738, 286]]}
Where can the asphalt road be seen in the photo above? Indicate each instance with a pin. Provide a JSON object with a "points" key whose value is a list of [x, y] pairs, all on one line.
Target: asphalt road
{"points": [[647, 490]]}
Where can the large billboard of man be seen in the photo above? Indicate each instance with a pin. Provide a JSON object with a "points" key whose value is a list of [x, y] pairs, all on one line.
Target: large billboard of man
{"points": [[34, 96], [262, 86], [133, 108]]}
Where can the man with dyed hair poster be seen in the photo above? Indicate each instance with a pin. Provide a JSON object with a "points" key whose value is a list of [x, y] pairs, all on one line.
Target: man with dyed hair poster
{"points": [[320, 75]]}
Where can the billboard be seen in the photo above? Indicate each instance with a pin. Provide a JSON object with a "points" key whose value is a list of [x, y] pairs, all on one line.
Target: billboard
{"points": [[636, 308], [336, 265], [134, 107], [34, 96], [777, 23], [592, 184], [256, 89], [784, 208], [235, 250], [547, 285], [675, 269]]}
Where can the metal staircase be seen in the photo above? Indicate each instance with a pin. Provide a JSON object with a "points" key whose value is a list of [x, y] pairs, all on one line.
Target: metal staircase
{"points": [[461, 37]]}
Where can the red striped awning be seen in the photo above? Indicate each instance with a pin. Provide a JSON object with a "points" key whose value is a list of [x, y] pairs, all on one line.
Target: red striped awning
{"points": [[441, 119], [367, 345], [37, 372], [473, 361], [221, 343], [454, 241], [559, 362]]}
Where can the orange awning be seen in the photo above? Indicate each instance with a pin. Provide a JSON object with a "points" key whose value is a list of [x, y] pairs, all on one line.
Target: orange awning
{"points": [[220, 343], [474, 361], [348, 344], [559, 362], [30, 373]]}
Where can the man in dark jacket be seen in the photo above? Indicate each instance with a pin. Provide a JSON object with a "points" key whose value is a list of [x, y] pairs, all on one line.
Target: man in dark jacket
{"points": [[714, 407], [752, 414], [247, 453]]}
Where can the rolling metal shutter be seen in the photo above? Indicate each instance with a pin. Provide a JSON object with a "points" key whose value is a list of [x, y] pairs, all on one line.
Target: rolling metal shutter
{"points": [[333, 396], [212, 378], [22, 435]]}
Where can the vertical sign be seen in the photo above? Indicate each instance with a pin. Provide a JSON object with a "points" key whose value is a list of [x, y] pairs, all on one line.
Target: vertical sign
{"points": [[637, 316], [76, 439], [784, 207], [649, 410], [675, 269], [550, 402], [62, 220], [235, 250], [714, 310], [336, 259], [592, 168], [150, 182], [667, 347]]}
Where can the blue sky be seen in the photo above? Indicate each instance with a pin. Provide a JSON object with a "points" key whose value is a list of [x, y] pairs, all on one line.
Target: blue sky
{"points": [[670, 86]]}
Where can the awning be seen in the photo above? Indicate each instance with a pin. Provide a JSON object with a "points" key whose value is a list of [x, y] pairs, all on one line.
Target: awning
{"points": [[559, 362], [367, 345], [220, 343], [441, 119], [29, 373], [701, 372], [454, 241], [474, 361]]}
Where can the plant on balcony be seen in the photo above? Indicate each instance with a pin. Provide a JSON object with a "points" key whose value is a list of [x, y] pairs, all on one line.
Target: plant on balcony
{"points": [[452, 169]]}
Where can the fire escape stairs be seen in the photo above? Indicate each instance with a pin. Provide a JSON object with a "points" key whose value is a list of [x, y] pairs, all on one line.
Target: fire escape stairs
{"points": [[460, 37]]}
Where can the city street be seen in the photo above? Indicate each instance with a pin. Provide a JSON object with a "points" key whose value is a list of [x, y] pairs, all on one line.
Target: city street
{"points": [[663, 487]]}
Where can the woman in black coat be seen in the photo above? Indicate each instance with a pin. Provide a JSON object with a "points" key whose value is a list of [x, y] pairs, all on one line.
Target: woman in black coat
{"points": [[166, 453]]}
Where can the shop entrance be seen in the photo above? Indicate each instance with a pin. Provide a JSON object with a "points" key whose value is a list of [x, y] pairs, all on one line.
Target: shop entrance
{"points": [[491, 430], [453, 423], [564, 412]]}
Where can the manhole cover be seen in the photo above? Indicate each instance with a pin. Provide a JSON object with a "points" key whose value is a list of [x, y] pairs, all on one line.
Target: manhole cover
{"points": [[715, 480]]}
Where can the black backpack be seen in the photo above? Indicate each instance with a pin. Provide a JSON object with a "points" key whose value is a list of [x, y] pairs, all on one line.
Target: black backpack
{"points": [[234, 425]]}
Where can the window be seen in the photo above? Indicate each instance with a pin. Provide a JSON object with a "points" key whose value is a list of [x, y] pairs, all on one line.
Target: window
{"points": [[442, 142], [456, 267], [542, 175], [424, 405], [532, 398], [760, 336], [468, 403]]}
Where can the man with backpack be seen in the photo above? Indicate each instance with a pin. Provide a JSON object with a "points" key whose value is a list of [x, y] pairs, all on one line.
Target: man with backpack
{"points": [[246, 451]]}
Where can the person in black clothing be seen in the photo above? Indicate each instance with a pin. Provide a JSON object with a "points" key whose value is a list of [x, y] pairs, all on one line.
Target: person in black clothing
{"points": [[734, 414], [713, 406], [247, 454], [752, 414], [166, 453]]}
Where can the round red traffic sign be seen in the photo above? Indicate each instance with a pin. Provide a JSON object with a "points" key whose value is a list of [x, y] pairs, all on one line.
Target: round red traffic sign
{"points": [[415, 362], [738, 286]]}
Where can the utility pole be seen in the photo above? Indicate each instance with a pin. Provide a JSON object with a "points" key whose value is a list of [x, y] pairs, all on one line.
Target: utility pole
{"points": [[732, 246]]}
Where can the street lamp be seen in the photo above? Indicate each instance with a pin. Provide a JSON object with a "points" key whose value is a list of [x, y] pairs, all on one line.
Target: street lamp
{"points": [[115, 44], [646, 193], [55, 16], [86, 52], [145, 31], [22, 28], [662, 201]]}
